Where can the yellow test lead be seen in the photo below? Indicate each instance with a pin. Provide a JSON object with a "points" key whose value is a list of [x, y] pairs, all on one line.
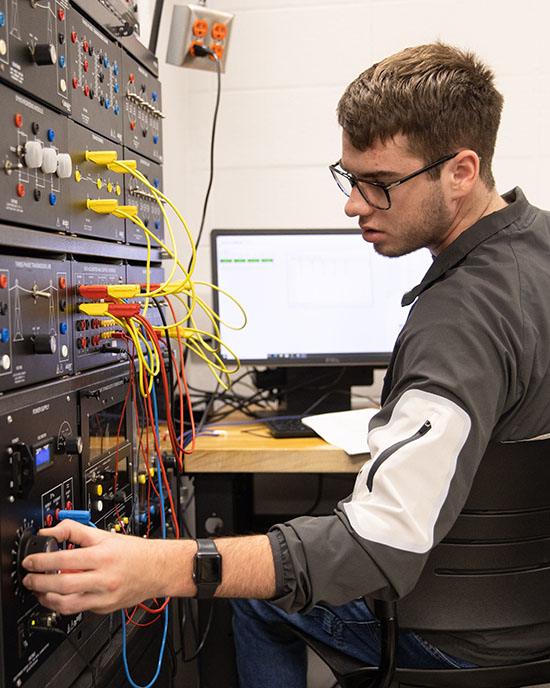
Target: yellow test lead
{"points": [[101, 157]]}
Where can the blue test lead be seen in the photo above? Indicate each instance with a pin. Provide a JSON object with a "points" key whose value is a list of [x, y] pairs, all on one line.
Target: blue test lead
{"points": [[80, 516], [163, 526]]}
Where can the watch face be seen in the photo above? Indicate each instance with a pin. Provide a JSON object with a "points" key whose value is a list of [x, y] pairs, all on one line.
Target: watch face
{"points": [[209, 569]]}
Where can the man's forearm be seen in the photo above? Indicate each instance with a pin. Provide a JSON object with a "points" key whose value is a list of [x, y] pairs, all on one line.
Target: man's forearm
{"points": [[108, 571], [247, 567]]}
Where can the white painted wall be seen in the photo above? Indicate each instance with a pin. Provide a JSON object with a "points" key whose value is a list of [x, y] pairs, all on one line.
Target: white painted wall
{"points": [[288, 63]]}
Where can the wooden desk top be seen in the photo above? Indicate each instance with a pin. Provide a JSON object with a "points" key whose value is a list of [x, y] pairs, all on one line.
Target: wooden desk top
{"points": [[252, 449]]}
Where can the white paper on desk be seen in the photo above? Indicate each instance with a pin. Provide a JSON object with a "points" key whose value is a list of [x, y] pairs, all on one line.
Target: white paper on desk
{"points": [[345, 429]]}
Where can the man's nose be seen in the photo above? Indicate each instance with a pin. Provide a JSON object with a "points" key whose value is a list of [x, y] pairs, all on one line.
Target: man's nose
{"points": [[356, 204]]}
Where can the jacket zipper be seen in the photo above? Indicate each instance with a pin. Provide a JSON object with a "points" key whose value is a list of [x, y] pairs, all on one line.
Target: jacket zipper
{"points": [[391, 450]]}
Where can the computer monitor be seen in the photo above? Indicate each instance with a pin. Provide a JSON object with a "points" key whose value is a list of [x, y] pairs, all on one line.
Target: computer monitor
{"points": [[315, 299]]}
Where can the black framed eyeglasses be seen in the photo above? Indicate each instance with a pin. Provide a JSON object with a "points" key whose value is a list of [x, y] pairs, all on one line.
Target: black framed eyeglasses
{"points": [[377, 194]]}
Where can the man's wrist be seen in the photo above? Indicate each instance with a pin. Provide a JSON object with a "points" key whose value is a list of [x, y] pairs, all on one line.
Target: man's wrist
{"points": [[207, 568], [174, 567]]}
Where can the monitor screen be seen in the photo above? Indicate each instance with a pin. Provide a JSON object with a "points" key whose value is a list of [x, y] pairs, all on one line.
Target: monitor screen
{"points": [[311, 296]]}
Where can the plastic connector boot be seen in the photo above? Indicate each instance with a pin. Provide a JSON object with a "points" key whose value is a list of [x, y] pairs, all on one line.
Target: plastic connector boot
{"points": [[105, 206], [101, 157], [122, 166], [125, 210], [75, 515]]}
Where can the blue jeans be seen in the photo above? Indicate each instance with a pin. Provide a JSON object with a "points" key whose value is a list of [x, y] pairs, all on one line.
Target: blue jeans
{"points": [[269, 658]]}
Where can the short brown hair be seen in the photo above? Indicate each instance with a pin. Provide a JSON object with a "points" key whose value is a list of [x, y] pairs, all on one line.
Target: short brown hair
{"points": [[440, 97]]}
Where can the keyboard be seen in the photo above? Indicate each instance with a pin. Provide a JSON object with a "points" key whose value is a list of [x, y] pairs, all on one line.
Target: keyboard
{"points": [[289, 427]]}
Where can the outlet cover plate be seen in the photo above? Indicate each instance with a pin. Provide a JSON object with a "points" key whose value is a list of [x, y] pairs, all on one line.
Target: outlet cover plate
{"points": [[184, 18]]}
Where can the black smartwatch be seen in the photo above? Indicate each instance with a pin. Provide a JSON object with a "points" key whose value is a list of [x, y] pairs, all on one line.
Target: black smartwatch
{"points": [[207, 571]]}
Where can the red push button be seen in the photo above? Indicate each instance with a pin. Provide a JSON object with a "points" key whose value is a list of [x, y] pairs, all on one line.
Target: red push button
{"points": [[18, 119], [20, 190]]}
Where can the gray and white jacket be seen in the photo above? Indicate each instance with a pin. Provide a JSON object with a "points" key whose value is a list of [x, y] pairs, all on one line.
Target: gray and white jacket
{"points": [[472, 364]]}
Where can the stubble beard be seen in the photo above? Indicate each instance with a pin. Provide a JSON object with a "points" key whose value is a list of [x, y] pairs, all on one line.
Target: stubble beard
{"points": [[426, 229]]}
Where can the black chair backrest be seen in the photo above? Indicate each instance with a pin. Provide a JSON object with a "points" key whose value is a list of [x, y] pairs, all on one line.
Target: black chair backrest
{"points": [[493, 569]]}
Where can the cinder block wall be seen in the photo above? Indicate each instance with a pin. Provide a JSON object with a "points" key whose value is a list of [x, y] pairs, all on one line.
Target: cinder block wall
{"points": [[288, 63]]}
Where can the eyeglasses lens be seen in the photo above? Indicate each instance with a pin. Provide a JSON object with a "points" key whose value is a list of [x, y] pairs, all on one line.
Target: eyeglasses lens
{"points": [[374, 195]]}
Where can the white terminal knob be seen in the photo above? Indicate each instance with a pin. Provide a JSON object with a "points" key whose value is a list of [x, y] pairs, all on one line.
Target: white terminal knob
{"points": [[49, 161], [33, 154], [64, 166]]}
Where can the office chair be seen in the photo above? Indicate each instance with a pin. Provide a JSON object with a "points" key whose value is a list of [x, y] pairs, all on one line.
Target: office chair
{"points": [[491, 571]]}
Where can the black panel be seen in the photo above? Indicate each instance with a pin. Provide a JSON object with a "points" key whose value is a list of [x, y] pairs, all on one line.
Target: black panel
{"points": [[92, 182], [137, 193], [67, 440], [142, 110], [33, 138], [38, 477], [94, 77], [36, 337], [35, 34], [94, 345]]}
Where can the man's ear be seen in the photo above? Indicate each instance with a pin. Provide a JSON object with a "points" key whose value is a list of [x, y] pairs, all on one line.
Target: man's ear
{"points": [[463, 173]]}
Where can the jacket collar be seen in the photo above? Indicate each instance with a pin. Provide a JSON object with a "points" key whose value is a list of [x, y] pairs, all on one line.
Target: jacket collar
{"points": [[469, 239]]}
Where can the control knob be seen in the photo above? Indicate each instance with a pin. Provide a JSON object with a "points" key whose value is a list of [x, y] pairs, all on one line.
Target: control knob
{"points": [[33, 154], [44, 344], [49, 161], [29, 542], [69, 445], [64, 165], [45, 54]]}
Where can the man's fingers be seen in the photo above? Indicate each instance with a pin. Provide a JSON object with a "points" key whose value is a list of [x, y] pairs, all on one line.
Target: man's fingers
{"points": [[73, 531], [74, 603], [62, 560], [63, 583]]}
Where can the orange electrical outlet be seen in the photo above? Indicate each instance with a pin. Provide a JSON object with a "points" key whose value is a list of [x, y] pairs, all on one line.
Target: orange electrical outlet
{"points": [[192, 47], [217, 49], [219, 31], [200, 27]]}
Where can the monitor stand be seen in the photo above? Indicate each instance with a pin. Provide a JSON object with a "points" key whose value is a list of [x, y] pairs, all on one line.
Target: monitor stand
{"points": [[307, 390]]}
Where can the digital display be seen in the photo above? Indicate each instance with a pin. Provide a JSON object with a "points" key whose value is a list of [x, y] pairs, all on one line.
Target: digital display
{"points": [[310, 296], [42, 456]]}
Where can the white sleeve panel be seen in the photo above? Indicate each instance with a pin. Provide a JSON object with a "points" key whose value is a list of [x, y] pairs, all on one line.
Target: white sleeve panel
{"points": [[410, 472]]}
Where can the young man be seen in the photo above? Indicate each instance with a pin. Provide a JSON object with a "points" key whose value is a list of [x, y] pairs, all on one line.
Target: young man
{"points": [[419, 131]]}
